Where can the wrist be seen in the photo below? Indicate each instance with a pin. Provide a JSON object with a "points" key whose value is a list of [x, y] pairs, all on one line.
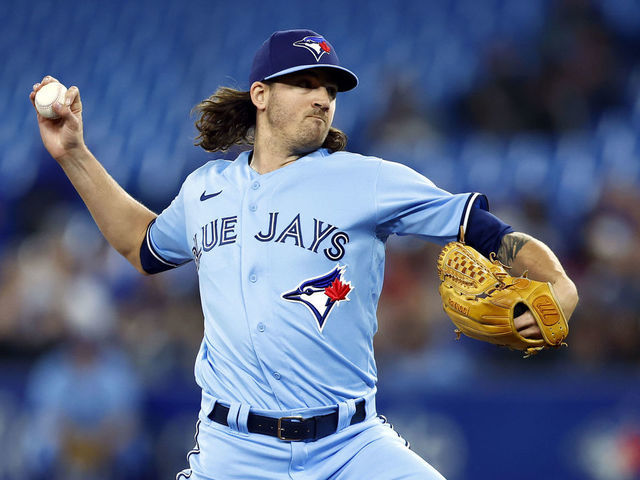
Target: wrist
{"points": [[79, 153]]}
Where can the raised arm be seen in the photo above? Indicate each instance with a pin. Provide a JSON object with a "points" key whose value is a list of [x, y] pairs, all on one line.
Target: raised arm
{"points": [[524, 253], [121, 219]]}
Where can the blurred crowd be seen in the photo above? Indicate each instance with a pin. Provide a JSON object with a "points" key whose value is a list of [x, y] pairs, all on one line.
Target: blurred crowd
{"points": [[577, 74], [97, 354], [99, 344], [568, 80]]}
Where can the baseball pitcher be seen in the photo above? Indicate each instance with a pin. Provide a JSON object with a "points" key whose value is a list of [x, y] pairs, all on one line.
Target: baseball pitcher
{"points": [[289, 243]]}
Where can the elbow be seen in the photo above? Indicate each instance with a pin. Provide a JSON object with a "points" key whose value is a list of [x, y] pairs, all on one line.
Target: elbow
{"points": [[137, 264], [576, 296], [567, 294], [572, 290], [142, 271], [133, 257]]}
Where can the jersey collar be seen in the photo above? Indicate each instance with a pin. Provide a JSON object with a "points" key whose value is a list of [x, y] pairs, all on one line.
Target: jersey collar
{"points": [[242, 162]]}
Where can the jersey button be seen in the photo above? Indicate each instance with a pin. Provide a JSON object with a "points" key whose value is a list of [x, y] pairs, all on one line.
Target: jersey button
{"points": [[253, 207], [253, 278], [261, 327], [255, 185], [277, 376]]}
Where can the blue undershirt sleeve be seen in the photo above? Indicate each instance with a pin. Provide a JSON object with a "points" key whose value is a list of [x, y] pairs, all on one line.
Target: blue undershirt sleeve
{"points": [[484, 230]]}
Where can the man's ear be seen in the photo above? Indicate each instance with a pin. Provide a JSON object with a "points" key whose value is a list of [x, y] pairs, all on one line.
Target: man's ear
{"points": [[259, 95]]}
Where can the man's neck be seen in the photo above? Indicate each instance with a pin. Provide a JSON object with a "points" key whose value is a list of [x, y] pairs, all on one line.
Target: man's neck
{"points": [[269, 156]]}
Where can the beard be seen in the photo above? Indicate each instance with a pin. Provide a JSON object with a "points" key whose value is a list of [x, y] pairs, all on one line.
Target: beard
{"points": [[302, 135], [309, 137]]}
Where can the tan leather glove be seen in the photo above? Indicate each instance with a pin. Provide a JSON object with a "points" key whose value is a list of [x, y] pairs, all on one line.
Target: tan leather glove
{"points": [[482, 299]]}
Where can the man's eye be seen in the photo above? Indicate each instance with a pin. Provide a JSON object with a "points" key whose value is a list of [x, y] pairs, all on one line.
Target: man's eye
{"points": [[304, 84]]}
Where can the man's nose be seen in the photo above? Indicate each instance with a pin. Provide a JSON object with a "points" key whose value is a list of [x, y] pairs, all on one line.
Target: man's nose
{"points": [[322, 99], [324, 106]]}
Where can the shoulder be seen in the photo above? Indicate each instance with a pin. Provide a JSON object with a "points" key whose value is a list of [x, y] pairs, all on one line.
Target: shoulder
{"points": [[212, 167], [351, 161], [367, 161], [209, 169], [344, 156], [384, 170]]}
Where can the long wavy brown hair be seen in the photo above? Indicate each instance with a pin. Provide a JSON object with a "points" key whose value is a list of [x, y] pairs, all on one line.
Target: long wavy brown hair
{"points": [[228, 118]]}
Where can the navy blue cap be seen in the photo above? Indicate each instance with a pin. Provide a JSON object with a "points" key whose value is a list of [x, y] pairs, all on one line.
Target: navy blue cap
{"points": [[291, 51]]}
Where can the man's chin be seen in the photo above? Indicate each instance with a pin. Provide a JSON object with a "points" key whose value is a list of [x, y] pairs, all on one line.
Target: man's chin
{"points": [[311, 145]]}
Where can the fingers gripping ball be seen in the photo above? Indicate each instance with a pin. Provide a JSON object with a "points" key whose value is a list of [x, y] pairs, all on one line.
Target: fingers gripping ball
{"points": [[480, 297], [47, 96]]}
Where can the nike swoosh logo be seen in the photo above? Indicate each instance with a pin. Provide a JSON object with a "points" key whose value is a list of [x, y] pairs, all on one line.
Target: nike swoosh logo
{"points": [[204, 195]]}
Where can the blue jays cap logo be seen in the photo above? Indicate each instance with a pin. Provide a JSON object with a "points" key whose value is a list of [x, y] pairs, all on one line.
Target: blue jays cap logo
{"points": [[321, 294], [315, 44]]}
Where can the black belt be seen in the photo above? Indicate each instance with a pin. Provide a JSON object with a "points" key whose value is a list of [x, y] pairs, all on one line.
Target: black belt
{"points": [[294, 428]]}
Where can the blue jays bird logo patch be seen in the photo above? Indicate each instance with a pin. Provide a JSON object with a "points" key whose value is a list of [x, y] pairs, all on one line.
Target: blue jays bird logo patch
{"points": [[316, 45], [321, 294]]}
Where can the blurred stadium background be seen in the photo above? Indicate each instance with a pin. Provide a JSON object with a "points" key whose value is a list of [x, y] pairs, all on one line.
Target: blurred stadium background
{"points": [[535, 103]]}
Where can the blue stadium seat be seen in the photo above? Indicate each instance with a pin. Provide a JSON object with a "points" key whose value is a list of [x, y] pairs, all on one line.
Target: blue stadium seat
{"points": [[142, 65], [18, 169], [481, 157], [578, 186], [529, 158]]}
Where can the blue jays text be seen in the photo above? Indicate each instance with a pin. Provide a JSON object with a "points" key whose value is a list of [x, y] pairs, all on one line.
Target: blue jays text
{"points": [[222, 231]]}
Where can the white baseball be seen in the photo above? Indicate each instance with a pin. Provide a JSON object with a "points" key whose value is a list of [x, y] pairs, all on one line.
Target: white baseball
{"points": [[47, 96]]}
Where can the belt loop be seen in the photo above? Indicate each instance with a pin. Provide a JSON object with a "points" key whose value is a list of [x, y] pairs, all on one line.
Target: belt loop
{"points": [[207, 403], [345, 412], [243, 418], [232, 416], [370, 404]]}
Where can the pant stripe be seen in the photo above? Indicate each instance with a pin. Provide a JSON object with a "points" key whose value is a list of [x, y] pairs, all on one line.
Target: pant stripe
{"points": [[388, 424], [186, 473]]}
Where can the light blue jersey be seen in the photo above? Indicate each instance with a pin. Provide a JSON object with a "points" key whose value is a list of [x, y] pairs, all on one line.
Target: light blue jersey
{"points": [[290, 267]]}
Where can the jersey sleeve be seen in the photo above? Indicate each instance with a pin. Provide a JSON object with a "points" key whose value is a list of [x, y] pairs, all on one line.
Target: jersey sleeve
{"points": [[408, 203], [165, 245]]}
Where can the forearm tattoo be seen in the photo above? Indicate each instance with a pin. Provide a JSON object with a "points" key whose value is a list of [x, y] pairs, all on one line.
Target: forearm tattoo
{"points": [[511, 245]]}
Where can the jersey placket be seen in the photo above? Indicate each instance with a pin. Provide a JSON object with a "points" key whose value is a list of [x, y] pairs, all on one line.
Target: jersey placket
{"points": [[256, 284]]}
